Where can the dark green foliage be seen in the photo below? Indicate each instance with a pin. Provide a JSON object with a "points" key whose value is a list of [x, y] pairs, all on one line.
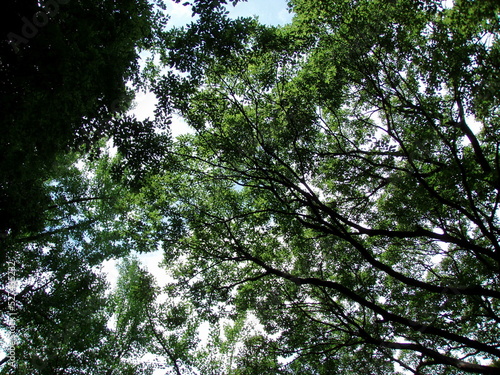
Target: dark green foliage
{"points": [[64, 66], [60, 89]]}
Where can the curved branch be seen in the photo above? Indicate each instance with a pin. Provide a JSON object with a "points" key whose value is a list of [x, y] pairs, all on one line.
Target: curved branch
{"points": [[481, 159], [439, 358], [163, 345], [475, 290], [387, 315]]}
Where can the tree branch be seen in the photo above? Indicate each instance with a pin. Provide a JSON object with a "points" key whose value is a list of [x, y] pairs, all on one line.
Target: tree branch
{"points": [[387, 315]]}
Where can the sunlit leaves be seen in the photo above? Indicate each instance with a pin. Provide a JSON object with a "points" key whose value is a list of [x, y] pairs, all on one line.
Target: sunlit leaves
{"points": [[336, 188]]}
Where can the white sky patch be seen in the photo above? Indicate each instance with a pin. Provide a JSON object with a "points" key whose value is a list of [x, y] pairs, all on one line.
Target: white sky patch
{"points": [[273, 12], [151, 262], [204, 333], [111, 272], [179, 126], [180, 15], [144, 105], [447, 4]]}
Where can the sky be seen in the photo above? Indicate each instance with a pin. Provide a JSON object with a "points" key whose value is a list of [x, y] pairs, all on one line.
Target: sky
{"points": [[269, 12]]}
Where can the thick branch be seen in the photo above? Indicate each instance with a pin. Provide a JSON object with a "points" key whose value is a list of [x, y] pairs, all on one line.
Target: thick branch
{"points": [[475, 290], [163, 345], [387, 315], [443, 359], [56, 231], [472, 138]]}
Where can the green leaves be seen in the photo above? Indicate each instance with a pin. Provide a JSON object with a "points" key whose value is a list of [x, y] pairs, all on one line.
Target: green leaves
{"points": [[335, 187], [334, 210], [62, 91]]}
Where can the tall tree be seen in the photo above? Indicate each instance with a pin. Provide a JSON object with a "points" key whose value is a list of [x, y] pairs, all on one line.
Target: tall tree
{"points": [[342, 184], [78, 326], [64, 66]]}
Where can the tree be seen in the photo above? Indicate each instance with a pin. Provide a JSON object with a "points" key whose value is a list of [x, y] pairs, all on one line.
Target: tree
{"points": [[64, 71], [64, 68], [55, 298], [98, 332], [343, 184]]}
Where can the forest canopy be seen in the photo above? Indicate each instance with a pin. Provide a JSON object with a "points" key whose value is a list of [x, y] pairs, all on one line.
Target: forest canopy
{"points": [[333, 210]]}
